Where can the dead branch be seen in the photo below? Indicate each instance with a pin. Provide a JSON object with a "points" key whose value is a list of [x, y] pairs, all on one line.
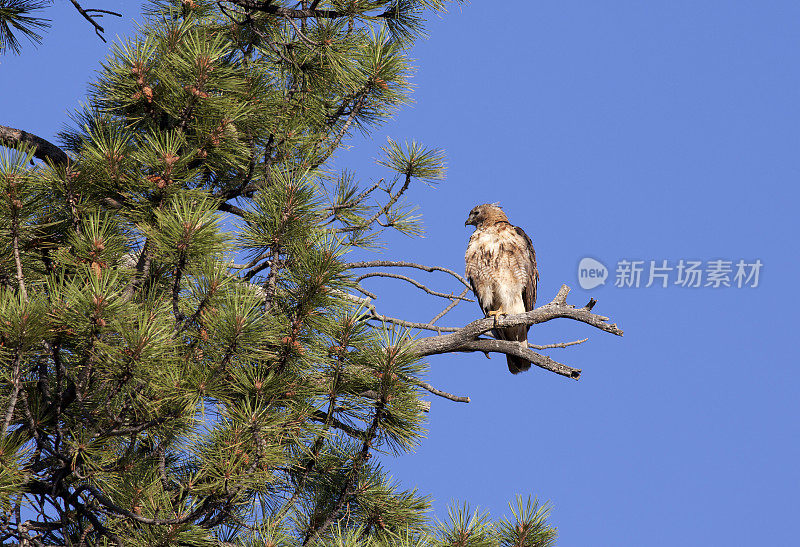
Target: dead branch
{"points": [[92, 14], [407, 324], [449, 307], [439, 392], [44, 150], [558, 344], [365, 292], [414, 282], [405, 264], [487, 346], [467, 339]]}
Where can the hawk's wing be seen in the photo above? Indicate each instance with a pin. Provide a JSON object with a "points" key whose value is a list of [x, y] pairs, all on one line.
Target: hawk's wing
{"points": [[527, 262]]}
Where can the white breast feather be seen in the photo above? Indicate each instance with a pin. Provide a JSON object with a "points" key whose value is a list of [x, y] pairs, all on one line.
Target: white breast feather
{"points": [[499, 280]]}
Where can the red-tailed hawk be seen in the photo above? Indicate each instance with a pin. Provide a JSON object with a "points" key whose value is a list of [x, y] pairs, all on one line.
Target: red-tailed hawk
{"points": [[501, 267]]}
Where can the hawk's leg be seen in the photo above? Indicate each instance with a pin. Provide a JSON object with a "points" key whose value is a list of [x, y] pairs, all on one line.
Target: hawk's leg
{"points": [[495, 314]]}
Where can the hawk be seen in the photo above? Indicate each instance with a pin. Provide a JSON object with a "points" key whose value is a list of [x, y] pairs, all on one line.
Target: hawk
{"points": [[501, 267]]}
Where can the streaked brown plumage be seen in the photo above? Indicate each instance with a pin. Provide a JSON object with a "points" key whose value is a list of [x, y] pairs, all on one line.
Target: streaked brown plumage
{"points": [[501, 267]]}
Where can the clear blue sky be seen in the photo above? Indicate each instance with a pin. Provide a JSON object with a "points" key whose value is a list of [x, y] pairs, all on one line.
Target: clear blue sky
{"points": [[617, 130]]}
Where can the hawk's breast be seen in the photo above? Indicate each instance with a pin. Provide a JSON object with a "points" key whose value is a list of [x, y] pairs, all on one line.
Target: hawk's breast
{"points": [[495, 266]]}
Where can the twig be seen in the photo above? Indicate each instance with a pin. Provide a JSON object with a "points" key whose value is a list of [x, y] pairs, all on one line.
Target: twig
{"points": [[253, 262], [439, 392], [404, 264], [114, 508], [364, 291], [450, 306], [558, 345], [342, 131], [410, 324], [415, 283], [383, 210], [303, 37], [374, 315], [323, 417], [91, 14], [233, 209]]}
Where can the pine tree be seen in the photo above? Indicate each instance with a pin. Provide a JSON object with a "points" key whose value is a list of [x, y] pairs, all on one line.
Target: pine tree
{"points": [[187, 357]]}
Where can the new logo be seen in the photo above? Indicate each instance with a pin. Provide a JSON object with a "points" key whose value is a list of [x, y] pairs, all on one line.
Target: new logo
{"points": [[591, 273]]}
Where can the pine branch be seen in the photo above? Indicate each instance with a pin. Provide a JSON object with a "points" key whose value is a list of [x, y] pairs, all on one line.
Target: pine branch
{"points": [[382, 211], [142, 268], [176, 288], [267, 6], [15, 247], [337, 140], [120, 511]]}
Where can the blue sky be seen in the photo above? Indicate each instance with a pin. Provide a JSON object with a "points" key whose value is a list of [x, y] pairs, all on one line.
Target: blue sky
{"points": [[615, 130]]}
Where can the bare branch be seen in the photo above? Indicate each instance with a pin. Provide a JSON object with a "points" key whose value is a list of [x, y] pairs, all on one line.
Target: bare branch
{"points": [[92, 14], [410, 324], [439, 392], [374, 315], [364, 291], [45, 150], [256, 269], [233, 209], [558, 344], [253, 262], [452, 305], [303, 37], [518, 350], [404, 264], [467, 339], [323, 417], [416, 284]]}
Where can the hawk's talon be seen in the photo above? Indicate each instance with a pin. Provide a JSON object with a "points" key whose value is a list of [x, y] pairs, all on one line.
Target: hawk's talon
{"points": [[495, 314]]}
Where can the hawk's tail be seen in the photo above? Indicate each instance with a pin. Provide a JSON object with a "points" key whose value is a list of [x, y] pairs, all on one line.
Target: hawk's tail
{"points": [[517, 334], [517, 364]]}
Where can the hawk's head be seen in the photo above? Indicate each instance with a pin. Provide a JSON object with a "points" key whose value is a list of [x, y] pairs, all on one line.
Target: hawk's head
{"points": [[488, 212]]}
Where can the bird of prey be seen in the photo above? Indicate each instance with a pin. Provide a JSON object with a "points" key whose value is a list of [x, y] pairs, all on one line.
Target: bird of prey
{"points": [[501, 267]]}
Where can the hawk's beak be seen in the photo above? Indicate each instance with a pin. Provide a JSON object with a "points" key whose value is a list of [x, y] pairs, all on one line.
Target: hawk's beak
{"points": [[466, 222]]}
